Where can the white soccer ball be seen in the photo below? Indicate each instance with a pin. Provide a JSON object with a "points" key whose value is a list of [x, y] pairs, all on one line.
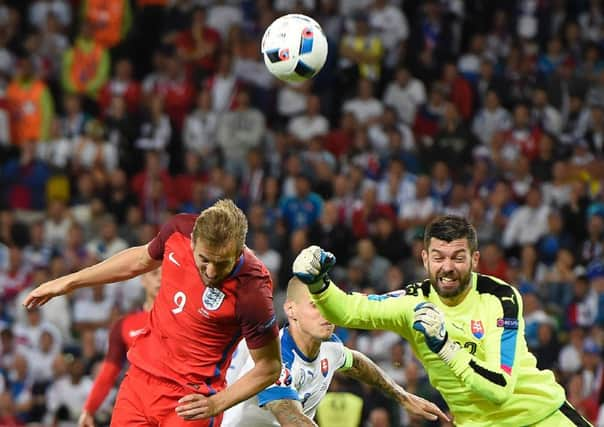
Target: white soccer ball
{"points": [[294, 48]]}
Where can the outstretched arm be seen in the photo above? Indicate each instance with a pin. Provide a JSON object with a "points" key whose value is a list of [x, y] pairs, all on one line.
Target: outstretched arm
{"points": [[365, 370], [289, 413], [122, 266]]}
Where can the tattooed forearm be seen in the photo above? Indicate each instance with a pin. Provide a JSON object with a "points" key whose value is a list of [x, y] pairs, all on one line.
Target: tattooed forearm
{"points": [[365, 370], [289, 413]]}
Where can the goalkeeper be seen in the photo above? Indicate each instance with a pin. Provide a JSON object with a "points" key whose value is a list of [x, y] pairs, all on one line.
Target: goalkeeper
{"points": [[466, 328]]}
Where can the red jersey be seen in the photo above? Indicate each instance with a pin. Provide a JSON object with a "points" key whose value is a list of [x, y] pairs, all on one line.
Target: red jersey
{"points": [[122, 335], [193, 329]]}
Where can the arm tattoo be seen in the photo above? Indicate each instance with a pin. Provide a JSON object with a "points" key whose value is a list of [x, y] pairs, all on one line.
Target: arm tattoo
{"points": [[289, 413], [365, 370]]}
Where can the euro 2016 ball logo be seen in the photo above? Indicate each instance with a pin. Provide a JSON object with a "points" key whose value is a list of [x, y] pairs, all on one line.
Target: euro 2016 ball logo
{"points": [[285, 378]]}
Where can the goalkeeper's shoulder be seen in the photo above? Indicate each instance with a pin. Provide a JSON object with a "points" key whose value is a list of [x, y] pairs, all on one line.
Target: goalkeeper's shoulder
{"points": [[504, 293], [416, 289]]}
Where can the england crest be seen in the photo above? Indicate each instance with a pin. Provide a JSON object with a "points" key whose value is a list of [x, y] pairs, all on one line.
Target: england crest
{"points": [[477, 328], [212, 298]]}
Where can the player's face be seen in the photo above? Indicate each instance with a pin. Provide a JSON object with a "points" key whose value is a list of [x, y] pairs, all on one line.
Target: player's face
{"points": [[449, 266], [214, 263], [310, 321]]}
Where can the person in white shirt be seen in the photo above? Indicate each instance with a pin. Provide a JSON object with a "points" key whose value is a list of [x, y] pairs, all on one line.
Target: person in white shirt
{"points": [[544, 114], [528, 223], [311, 355], [366, 108], [405, 93], [224, 16], [199, 133], [65, 396], [492, 118], [311, 124], [391, 25]]}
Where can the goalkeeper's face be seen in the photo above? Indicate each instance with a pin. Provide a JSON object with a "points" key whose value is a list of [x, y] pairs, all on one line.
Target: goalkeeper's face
{"points": [[449, 266]]}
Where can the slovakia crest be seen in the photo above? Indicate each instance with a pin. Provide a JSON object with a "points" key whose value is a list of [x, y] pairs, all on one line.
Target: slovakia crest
{"points": [[477, 328], [324, 367], [212, 298]]}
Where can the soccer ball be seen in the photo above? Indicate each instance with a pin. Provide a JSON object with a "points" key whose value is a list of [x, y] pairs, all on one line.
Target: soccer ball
{"points": [[294, 48]]}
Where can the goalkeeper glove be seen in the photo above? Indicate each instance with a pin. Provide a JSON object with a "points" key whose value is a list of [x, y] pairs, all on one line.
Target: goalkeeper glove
{"points": [[430, 321], [311, 267]]}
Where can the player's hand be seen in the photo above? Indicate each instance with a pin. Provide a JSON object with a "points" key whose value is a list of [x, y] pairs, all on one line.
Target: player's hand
{"points": [[196, 407], [422, 408], [43, 293], [86, 420], [430, 321], [312, 265]]}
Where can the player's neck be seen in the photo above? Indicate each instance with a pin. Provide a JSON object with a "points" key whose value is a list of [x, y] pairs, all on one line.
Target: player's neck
{"points": [[308, 345]]}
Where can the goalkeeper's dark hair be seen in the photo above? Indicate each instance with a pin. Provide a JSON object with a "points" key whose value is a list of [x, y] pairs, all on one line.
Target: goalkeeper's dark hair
{"points": [[449, 228]]}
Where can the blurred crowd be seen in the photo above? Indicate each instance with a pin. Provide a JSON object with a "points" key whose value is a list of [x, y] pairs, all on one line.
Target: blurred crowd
{"points": [[116, 114]]}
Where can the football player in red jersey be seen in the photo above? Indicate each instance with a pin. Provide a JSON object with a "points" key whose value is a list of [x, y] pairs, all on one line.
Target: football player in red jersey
{"points": [[214, 291], [122, 335]]}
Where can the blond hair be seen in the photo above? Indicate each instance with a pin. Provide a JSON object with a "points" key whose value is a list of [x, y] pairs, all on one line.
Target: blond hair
{"points": [[295, 289], [221, 224]]}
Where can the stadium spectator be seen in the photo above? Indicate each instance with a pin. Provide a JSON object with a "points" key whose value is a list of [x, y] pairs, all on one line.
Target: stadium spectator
{"points": [[123, 85], [85, 67], [30, 104]]}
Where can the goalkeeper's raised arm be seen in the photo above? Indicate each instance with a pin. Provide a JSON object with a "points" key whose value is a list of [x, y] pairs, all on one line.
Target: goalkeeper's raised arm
{"points": [[466, 329]]}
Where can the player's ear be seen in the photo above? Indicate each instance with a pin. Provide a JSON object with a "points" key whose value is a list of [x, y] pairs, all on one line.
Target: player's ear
{"points": [[288, 307], [475, 258], [425, 258]]}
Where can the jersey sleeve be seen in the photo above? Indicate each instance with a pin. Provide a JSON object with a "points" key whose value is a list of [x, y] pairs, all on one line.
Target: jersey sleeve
{"points": [[343, 357], [347, 359], [388, 311], [110, 369], [182, 223], [495, 377], [255, 311]]}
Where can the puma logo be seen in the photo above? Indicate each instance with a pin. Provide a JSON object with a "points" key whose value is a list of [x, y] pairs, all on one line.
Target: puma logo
{"points": [[457, 326], [509, 299]]}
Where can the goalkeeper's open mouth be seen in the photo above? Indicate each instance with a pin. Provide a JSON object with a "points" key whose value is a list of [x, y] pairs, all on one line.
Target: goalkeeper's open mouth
{"points": [[448, 282]]}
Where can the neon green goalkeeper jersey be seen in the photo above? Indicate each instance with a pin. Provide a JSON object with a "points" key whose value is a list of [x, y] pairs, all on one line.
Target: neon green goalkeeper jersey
{"points": [[493, 379]]}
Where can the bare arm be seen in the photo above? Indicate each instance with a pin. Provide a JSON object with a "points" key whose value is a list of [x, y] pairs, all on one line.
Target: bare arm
{"points": [[289, 413], [267, 366], [365, 370], [122, 266], [266, 370]]}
